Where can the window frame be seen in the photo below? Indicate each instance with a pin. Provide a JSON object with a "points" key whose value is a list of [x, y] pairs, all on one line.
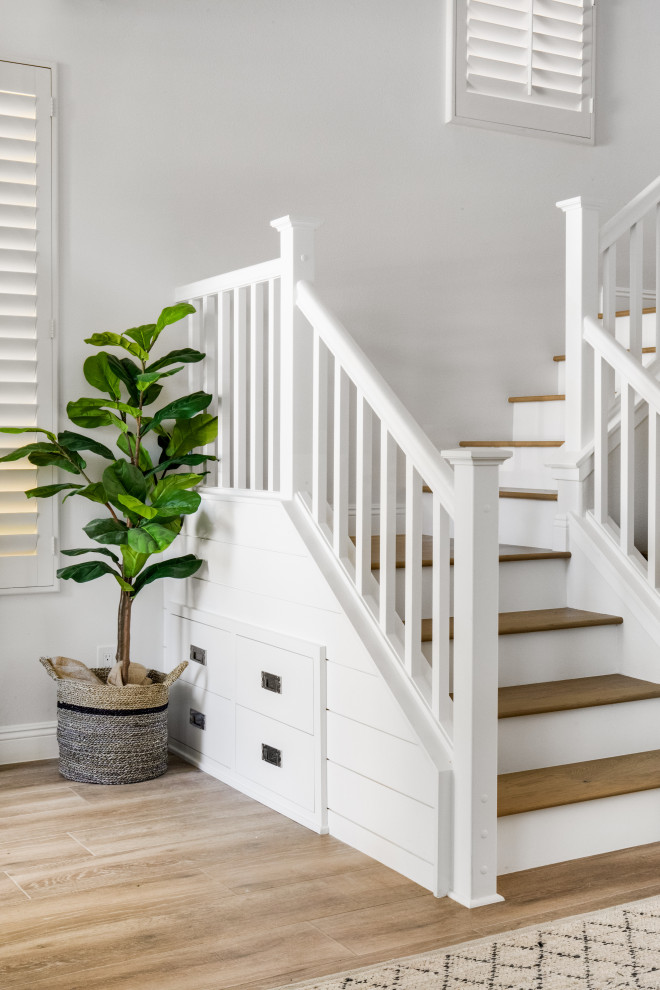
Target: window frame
{"points": [[47, 357], [488, 111]]}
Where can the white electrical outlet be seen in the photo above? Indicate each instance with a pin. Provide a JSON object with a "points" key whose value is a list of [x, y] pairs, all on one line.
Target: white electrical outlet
{"points": [[105, 656]]}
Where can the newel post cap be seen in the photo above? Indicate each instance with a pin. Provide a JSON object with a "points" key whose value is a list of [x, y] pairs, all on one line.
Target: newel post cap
{"points": [[284, 223], [477, 456], [578, 203]]}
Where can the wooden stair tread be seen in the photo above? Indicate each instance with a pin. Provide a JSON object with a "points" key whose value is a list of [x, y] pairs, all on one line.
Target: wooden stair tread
{"points": [[578, 692], [571, 783], [508, 552], [538, 620], [511, 443], [626, 312], [535, 494], [537, 398]]}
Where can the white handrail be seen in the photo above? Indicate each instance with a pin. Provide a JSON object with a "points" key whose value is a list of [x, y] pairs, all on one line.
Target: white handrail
{"points": [[380, 396], [620, 360], [631, 214], [231, 280]]}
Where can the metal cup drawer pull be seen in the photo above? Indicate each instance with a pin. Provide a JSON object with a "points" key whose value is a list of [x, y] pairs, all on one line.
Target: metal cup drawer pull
{"points": [[271, 755], [271, 682], [198, 654]]}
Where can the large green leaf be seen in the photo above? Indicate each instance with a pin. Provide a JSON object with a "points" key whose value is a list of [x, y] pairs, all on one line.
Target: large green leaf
{"points": [[46, 491], [94, 492], [175, 462], [19, 452], [112, 531], [171, 314], [83, 412], [177, 503], [183, 408], [27, 429], [126, 443], [123, 478], [76, 441], [152, 537], [126, 370], [89, 571], [176, 567], [149, 378], [44, 459], [151, 394], [100, 375], [133, 561], [117, 340], [185, 355], [142, 335], [81, 550], [175, 482], [137, 507], [191, 433]]}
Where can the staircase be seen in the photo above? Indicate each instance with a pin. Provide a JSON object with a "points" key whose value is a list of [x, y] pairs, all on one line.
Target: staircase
{"points": [[504, 591]]}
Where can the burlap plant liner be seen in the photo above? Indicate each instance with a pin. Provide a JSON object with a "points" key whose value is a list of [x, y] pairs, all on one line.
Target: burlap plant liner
{"points": [[110, 735]]}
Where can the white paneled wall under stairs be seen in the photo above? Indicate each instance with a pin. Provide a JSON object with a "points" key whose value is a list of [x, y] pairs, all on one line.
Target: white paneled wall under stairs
{"points": [[457, 691]]}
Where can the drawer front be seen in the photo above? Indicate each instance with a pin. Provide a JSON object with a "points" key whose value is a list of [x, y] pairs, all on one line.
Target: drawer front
{"points": [[216, 739], [216, 674], [260, 666], [293, 779]]}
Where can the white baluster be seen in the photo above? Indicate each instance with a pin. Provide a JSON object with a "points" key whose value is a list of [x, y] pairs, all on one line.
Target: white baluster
{"points": [[636, 288], [209, 344], [627, 511], [441, 703], [654, 500], [476, 592], [226, 397], [240, 389], [273, 385], [387, 565], [603, 394], [609, 290], [413, 656], [656, 341], [363, 496], [319, 430], [340, 465], [257, 386]]}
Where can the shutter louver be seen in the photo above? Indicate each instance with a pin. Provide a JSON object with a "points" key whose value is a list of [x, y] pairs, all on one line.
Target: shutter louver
{"points": [[26, 392], [525, 63]]}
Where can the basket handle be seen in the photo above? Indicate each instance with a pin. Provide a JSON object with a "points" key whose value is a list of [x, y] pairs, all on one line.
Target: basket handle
{"points": [[47, 664], [175, 674]]}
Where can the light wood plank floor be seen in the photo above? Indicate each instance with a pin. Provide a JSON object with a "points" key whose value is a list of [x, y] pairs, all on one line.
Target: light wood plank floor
{"points": [[182, 883]]}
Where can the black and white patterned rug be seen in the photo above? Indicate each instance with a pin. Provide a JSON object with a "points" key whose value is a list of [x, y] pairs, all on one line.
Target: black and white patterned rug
{"points": [[614, 949]]}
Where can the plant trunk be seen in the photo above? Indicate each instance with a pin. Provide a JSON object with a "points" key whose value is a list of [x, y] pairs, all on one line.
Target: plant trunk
{"points": [[124, 634]]}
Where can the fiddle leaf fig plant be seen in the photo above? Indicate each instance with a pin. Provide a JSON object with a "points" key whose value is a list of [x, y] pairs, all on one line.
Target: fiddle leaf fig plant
{"points": [[143, 488]]}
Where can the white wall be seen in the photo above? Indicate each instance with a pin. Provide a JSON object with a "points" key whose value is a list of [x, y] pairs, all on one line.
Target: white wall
{"points": [[186, 125]]}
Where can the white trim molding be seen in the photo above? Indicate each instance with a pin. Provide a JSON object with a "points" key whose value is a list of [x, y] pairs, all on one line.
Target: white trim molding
{"points": [[28, 742]]}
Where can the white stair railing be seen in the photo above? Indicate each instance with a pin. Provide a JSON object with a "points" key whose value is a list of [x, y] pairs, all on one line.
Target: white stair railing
{"points": [[305, 414], [608, 389]]}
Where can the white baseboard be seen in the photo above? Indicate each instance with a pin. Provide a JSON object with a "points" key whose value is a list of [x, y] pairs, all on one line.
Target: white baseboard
{"points": [[25, 743]]}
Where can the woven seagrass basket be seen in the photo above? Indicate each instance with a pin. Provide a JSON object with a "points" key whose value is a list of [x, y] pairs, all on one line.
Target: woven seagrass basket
{"points": [[110, 735]]}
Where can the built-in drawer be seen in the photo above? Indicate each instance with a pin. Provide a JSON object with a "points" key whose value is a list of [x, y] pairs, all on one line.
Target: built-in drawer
{"points": [[213, 668], [276, 756], [275, 682], [212, 735]]}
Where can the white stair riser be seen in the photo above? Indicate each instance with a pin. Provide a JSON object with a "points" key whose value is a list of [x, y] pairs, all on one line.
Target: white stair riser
{"points": [[538, 420], [554, 738], [527, 522], [527, 467], [527, 658], [572, 831], [524, 584], [561, 377]]}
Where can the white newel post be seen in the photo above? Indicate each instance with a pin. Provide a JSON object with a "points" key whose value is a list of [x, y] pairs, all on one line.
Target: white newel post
{"points": [[476, 610], [297, 254], [581, 301]]}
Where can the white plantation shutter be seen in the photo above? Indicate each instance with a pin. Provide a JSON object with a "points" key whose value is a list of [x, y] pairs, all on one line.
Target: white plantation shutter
{"points": [[27, 558], [525, 63]]}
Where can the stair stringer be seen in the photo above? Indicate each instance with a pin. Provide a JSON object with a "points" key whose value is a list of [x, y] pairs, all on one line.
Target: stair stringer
{"points": [[267, 565], [600, 577]]}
